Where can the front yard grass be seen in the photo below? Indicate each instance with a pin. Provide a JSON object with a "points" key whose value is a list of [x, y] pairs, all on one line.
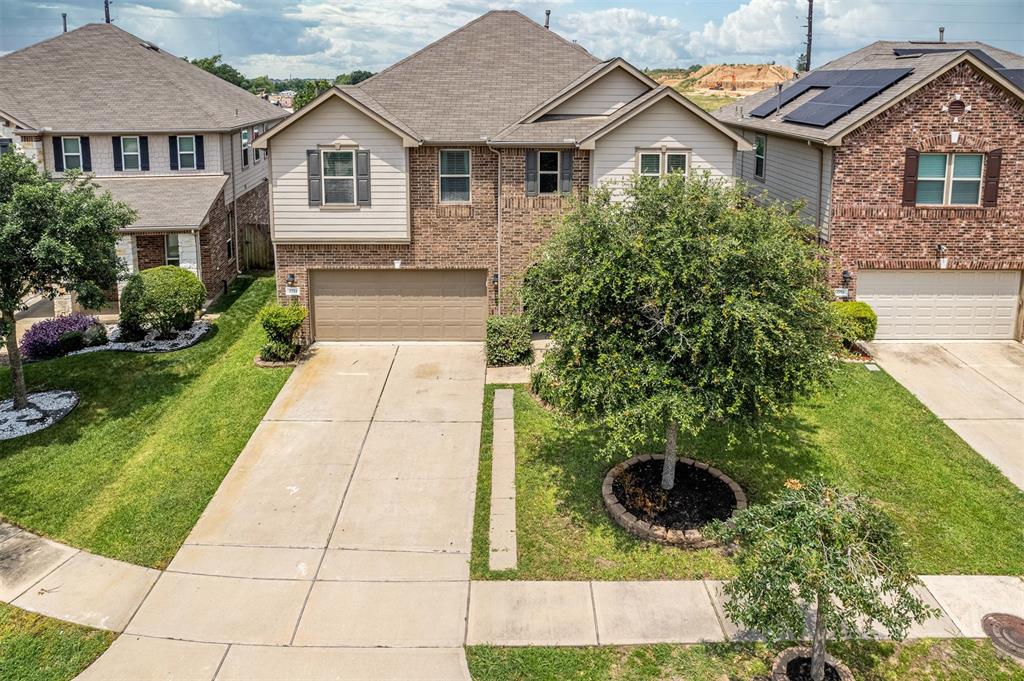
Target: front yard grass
{"points": [[867, 433], [129, 471], [37, 648], [923, 660]]}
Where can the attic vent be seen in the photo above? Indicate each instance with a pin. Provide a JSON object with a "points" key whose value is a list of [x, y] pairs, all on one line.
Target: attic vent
{"points": [[957, 107], [150, 46]]}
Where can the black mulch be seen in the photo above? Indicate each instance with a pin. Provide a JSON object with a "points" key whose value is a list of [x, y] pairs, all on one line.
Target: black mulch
{"points": [[697, 498]]}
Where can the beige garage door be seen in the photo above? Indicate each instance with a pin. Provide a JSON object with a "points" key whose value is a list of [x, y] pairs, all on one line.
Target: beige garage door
{"points": [[399, 304], [937, 304]]}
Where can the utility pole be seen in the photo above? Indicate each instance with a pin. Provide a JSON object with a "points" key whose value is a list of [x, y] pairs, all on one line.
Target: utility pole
{"points": [[106, 10], [64, 18], [810, 23]]}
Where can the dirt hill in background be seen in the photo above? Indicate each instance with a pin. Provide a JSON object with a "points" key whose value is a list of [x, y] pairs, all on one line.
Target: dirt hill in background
{"points": [[745, 78]]}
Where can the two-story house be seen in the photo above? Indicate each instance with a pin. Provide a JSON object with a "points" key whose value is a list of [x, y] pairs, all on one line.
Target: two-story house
{"points": [[405, 207], [169, 139], [909, 157]]}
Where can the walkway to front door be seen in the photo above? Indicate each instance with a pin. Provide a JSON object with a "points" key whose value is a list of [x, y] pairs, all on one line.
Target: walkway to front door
{"points": [[339, 540]]}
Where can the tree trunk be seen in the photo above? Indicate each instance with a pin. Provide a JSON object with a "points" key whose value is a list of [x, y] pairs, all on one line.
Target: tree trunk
{"points": [[668, 471], [14, 357], [818, 643]]}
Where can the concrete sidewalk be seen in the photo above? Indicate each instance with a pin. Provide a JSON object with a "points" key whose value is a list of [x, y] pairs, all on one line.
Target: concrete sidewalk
{"points": [[976, 388]]}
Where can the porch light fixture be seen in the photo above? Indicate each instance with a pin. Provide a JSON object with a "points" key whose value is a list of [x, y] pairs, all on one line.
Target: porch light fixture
{"points": [[290, 280], [847, 278]]}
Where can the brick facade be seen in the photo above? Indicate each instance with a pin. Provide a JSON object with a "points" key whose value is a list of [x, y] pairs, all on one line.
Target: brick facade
{"points": [[870, 228], [451, 236], [150, 250], [218, 270]]}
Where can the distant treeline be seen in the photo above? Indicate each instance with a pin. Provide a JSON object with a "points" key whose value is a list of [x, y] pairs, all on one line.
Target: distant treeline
{"points": [[222, 69]]}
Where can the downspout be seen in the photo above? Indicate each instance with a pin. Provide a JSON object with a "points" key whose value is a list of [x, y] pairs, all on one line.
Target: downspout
{"points": [[821, 180], [499, 283], [234, 199]]}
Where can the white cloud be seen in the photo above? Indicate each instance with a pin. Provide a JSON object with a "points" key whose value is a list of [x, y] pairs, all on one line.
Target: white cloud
{"points": [[210, 8], [640, 37]]}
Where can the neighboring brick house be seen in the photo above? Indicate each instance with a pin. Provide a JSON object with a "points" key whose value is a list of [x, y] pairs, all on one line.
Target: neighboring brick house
{"points": [[407, 206], [167, 138], [909, 158]]}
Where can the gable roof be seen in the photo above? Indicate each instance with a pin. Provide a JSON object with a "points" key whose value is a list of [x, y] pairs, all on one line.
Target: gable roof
{"points": [[593, 75], [99, 78], [927, 61], [477, 80]]}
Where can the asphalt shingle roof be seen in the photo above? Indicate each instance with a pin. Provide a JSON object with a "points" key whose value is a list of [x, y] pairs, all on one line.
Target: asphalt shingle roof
{"points": [[878, 55], [165, 203], [479, 79], [99, 78]]}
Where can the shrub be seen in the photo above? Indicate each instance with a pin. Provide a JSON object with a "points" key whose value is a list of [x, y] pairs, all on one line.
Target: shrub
{"points": [[95, 335], [281, 323], [162, 299], [542, 385], [71, 341], [857, 321], [508, 340], [43, 339]]}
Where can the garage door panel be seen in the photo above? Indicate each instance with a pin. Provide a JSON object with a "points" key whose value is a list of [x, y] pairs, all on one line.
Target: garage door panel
{"points": [[399, 304], [938, 304]]}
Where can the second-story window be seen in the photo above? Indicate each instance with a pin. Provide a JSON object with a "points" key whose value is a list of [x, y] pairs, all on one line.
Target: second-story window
{"points": [[649, 164], [760, 148], [339, 177], [72, 148], [455, 175], [547, 172], [245, 147], [130, 154], [187, 153], [949, 179], [257, 130]]}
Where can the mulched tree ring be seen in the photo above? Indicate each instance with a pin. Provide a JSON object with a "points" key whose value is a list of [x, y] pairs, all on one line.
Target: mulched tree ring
{"points": [[1007, 634], [794, 664], [635, 501], [44, 409]]}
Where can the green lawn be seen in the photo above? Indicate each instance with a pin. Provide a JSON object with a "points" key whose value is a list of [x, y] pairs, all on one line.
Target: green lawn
{"points": [[960, 515], [926, 660], [128, 472], [709, 102], [37, 648]]}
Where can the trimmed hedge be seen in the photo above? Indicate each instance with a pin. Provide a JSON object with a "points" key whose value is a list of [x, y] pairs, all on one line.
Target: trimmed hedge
{"points": [[281, 323], [163, 299], [43, 340], [857, 321], [509, 340]]}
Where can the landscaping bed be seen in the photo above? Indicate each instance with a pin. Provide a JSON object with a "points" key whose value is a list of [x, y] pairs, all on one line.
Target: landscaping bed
{"points": [[152, 342], [44, 409], [866, 432], [129, 471]]}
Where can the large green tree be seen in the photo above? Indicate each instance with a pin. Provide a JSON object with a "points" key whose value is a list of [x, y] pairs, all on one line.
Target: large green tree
{"points": [[221, 69], [310, 90], [680, 306], [55, 236], [814, 546]]}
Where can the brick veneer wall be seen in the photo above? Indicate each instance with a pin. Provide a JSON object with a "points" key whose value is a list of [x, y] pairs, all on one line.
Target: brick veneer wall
{"points": [[253, 207], [218, 271], [150, 250], [871, 229], [450, 236]]}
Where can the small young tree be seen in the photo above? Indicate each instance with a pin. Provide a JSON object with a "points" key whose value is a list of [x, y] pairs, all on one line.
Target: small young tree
{"points": [[681, 306], [815, 546], [54, 236]]}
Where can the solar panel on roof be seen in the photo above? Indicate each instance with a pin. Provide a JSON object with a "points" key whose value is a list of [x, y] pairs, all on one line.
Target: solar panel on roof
{"points": [[851, 95], [775, 103], [982, 55], [872, 81], [846, 93]]}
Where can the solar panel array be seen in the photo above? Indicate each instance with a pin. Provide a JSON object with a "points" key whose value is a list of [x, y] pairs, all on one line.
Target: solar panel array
{"points": [[844, 90], [1015, 76]]}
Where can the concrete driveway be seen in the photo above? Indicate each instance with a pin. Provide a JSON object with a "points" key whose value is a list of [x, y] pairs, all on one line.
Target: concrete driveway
{"points": [[337, 547], [976, 388]]}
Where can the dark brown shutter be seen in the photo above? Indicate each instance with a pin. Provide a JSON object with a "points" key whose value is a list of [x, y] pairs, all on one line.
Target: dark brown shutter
{"points": [[363, 177], [566, 173], [86, 154], [172, 149], [144, 152], [200, 153], [993, 163], [910, 178], [58, 154], [532, 185], [118, 161], [313, 176]]}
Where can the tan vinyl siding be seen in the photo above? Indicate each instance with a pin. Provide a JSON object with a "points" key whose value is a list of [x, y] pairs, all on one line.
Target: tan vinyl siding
{"points": [[248, 177], [335, 122], [666, 123], [613, 90], [101, 151], [792, 172]]}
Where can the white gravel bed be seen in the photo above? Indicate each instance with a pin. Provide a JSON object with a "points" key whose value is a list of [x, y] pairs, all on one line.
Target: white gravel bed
{"points": [[44, 409], [186, 338]]}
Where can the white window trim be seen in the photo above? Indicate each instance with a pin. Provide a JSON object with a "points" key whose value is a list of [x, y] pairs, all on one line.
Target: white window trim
{"points": [[469, 174], [126, 154], [195, 159], [64, 153], [167, 250], [324, 177], [557, 172], [246, 142], [763, 157], [685, 153], [257, 130], [662, 153], [947, 181], [231, 249]]}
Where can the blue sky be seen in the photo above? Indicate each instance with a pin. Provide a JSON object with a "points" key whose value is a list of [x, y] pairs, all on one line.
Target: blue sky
{"points": [[326, 37]]}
